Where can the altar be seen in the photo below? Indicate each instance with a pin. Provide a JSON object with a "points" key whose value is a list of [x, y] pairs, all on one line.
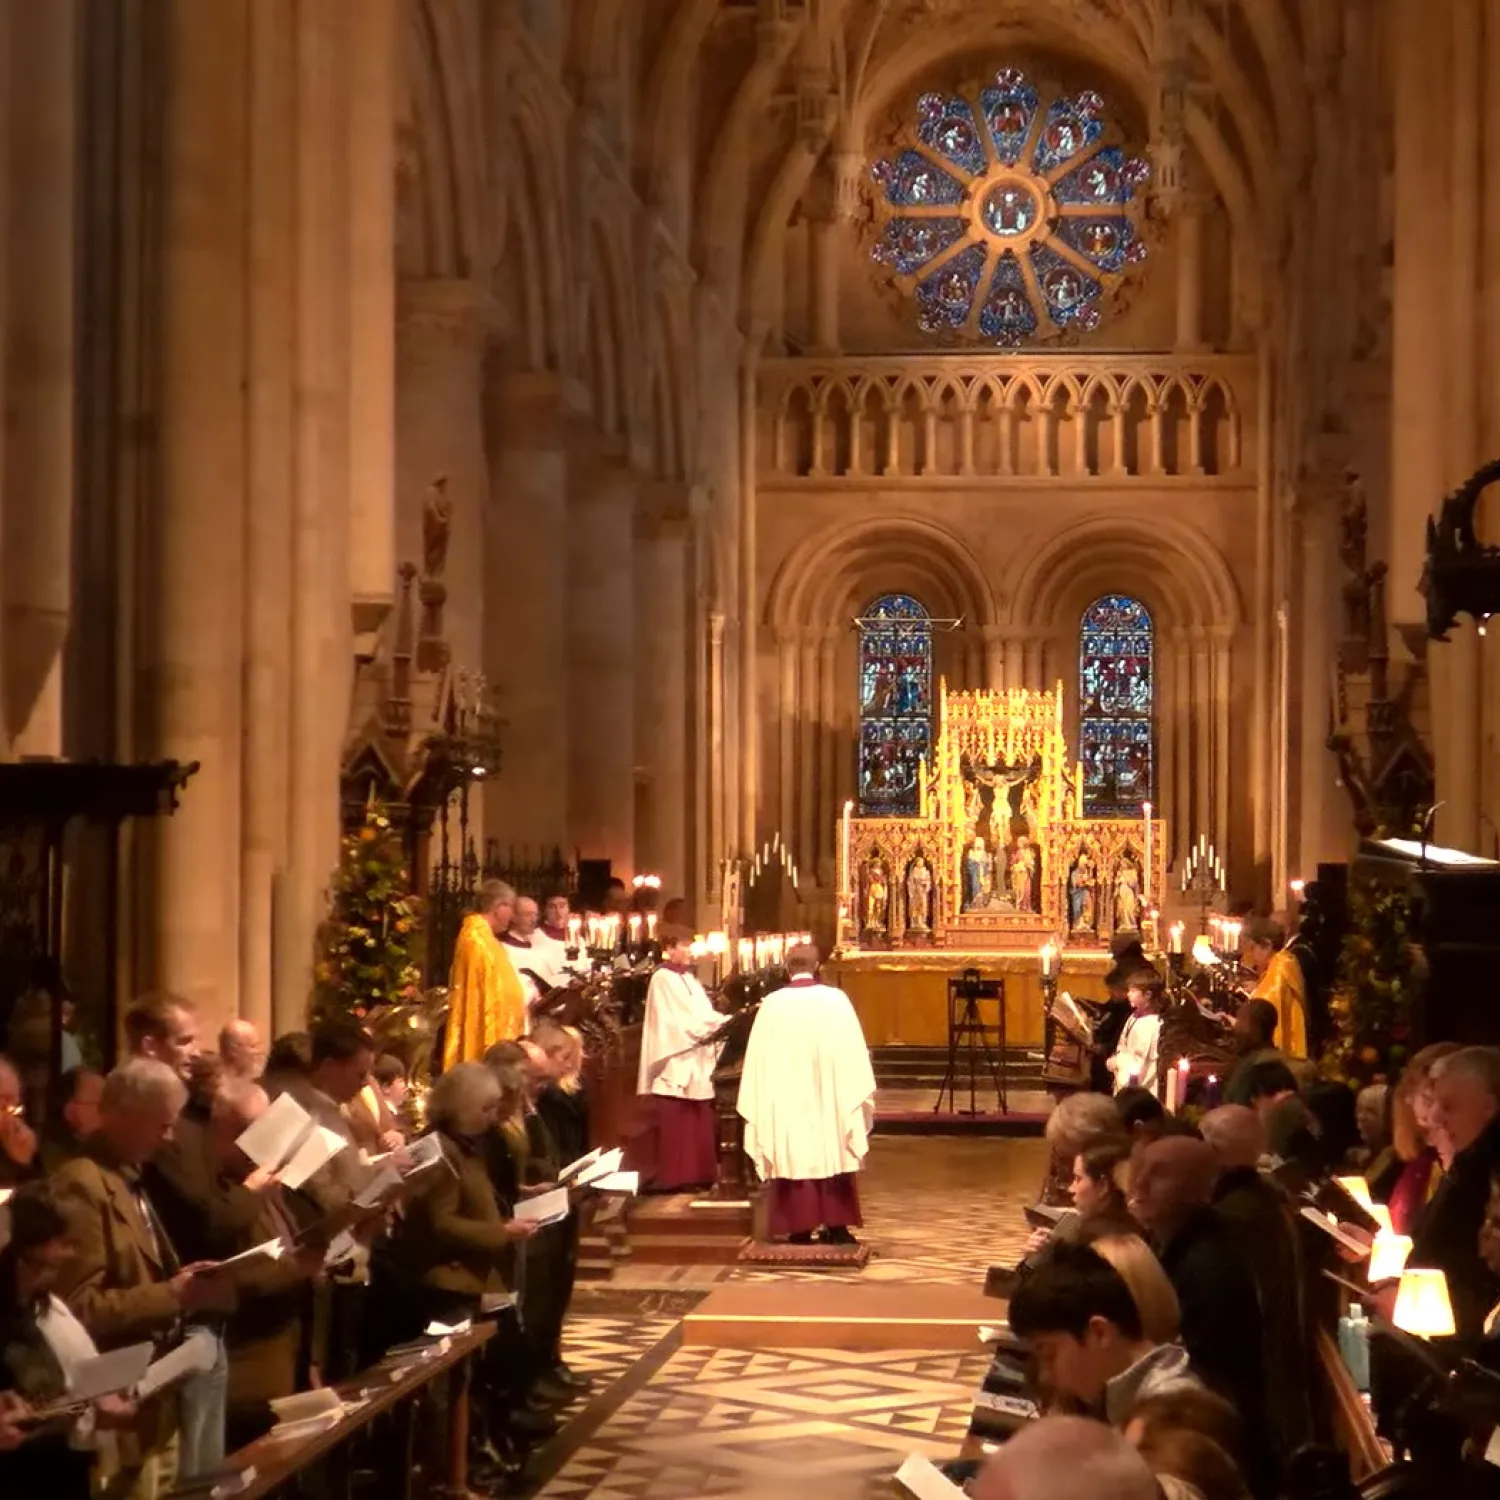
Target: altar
{"points": [[999, 860]]}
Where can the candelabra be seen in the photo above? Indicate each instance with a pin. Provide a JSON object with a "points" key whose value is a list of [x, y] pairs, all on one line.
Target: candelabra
{"points": [[1203, 879]]}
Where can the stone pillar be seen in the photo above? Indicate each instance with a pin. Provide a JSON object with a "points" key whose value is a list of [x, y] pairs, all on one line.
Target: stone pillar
{"points": [[530, 418], [826, 242], [788, 655], [806, 847], [190, 678], [41, 99], [601, 660], [829, 806], [662, 704], [1191, 216], [1322, 810]]}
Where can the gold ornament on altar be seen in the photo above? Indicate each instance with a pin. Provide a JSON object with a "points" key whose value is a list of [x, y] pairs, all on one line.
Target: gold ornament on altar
{"points": [[1001, 853]]}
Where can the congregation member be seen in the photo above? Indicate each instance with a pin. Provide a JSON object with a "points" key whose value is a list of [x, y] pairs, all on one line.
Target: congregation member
{"points": [[676, 1077], [1278, 980], [807, 1097], [75, 1116], [20, 1158], [486, 999], [374, 1114], [1135, 1059], [1407, 1180], [242, 1051], [1066, 1458], [1253, 1035], [1077, 1121], [1292, 1130], [1371, 1121]]}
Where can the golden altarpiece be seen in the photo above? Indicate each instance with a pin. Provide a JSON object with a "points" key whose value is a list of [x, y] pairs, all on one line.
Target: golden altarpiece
{"points": [[999, 860]]}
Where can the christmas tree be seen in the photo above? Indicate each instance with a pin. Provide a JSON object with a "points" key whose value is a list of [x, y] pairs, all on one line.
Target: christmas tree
{"points": [[371, 943], [1373, 1000]]}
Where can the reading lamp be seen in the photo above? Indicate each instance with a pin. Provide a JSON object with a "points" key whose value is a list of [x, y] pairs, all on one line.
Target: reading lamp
{"points": [[1388, 1256], [1422, 1305], [1358, 1189], [1382, 1216]]}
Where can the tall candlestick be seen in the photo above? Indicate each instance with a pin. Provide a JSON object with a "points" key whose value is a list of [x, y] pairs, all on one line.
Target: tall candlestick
{"points": [[1146, 874]]}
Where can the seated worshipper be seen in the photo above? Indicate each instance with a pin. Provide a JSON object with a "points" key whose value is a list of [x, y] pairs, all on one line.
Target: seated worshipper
{"points": [[679, 1052], [1291, 1130], [1407, 1183], [1139, 1269], [1195, 1461], [1066, 1458], [76, 1117], [1198, 1411], [1258, 1213], [1084, 1329], [1254, 1038], [40, 1342], [20, 1158], [1142, 1113], [125, 1283], [1465, 1128], [1098, 1193], [374, 1112], [243, 1053], [264, 1335], [1278, 978], [807, 1097], [1171, 1189], [1076, 1122], [1134, 1061], [486, 999], [1372, 1121]]}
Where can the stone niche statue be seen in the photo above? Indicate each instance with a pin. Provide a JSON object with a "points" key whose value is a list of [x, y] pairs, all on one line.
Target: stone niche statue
{"points": [[1127, 896], [1083, 897], [919, 894], [877, 894], [1022, 873], [979, 876]]}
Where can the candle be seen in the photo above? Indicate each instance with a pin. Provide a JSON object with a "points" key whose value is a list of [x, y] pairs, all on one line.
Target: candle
{"points": [[1047, 952], [650, 926], [1146, 873], [575, 928], [1175, 937], [846, 875], [635, 928], [1177, 1082], [746, 956]]}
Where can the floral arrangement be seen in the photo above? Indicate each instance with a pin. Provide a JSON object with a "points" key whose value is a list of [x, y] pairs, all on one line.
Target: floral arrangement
{"points": [[1375, 992], [371, 942]]}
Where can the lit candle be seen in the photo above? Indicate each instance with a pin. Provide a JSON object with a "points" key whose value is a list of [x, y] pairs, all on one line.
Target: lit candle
{"points": [[1176, 937], [747, 956], [650, 926], [635, 928], [1047, 952], [846, 875], [575, 929], [1146, 873]]}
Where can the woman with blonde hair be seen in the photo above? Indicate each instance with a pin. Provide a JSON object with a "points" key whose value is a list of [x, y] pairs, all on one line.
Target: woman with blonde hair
{"points": [[1407, 1177], [1077, 1121], [1152, 1292]]}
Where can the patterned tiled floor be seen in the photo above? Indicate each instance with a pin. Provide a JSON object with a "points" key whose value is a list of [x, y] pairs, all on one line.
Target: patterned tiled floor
{"points": [[742, 1423], [673, 1423]]}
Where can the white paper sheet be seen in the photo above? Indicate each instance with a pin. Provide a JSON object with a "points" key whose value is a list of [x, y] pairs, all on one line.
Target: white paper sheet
{"points": [[320, 1148], [922, 1478], [267, 1250], [573, 1168], [493, 1302], [306, 1404], [118, 1370], [197, 1352], [343, 1247], [611, 1161], [426, 1151], [992, 1333], [269, 1140], [384, 1182], [436, 1330], [1331, 1227], [545, 1208], [617, 1182]]}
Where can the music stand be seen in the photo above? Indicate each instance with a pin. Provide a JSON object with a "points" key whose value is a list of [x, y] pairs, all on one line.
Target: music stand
{"points": [[967, 1029]]}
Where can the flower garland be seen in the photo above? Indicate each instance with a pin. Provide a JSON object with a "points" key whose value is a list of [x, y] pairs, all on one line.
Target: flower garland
{"points": [[1373, 998], [371, 943]]}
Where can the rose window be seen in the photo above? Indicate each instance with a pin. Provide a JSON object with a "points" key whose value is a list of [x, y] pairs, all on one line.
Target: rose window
{"points": [[1006, 221]]}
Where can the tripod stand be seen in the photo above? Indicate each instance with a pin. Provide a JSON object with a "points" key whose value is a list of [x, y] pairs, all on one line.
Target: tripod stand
{"points": [[983, 1043]]}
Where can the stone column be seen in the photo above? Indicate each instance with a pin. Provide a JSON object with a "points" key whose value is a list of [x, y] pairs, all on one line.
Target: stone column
{"points": [[530, 418], [806, 847], [662, 705], [829, 742], [1191, 216], [826, 243], [602, 659], [1321, 826], [41, 100], [788, 655]]}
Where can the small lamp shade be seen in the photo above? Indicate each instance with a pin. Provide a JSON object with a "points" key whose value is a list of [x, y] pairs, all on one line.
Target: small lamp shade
{"points": [[1388, 1256], [1422, 1305], [1382, 1216], [1358, 1189]]}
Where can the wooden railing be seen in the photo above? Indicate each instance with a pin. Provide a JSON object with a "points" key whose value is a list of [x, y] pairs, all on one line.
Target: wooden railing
{"points": [[1107, 418]]}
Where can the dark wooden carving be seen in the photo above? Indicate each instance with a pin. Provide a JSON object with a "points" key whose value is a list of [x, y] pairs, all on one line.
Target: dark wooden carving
{"points": [[1462, 575]]}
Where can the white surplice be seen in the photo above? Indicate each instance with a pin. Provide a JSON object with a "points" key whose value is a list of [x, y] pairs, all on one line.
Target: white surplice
{"points": [[807, 1091], [674, 1061], [1135, 1059]]}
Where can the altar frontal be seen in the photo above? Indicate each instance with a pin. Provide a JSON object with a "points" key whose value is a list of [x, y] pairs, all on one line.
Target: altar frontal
{"points": [[1000, 856]]}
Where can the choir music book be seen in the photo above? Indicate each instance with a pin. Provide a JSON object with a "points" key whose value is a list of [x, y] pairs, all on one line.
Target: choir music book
{"points": [[921, 1477], [544, 1209]]}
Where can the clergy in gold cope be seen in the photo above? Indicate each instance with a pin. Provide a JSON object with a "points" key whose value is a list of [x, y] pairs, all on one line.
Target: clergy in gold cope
{"points": [[486, 1001], [1278, 978]]}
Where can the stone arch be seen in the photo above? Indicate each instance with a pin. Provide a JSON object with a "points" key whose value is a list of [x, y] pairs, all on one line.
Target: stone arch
{"points": [[1176, 572], [829, 576], [604, 320], [534, 254]]}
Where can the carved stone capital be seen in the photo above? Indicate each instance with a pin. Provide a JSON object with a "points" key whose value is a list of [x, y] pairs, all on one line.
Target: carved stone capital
{"points": [[449, 306]]}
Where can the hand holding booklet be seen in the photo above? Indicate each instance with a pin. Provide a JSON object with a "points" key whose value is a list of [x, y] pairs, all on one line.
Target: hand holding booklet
{"points": [[544, 1209], [287, 1141], [921, 1477], [601, 1166]]}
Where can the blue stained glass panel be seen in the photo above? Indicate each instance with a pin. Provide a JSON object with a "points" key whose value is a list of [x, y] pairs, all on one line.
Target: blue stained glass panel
{"points": [[948, 126], [1006, 314], [908, 244], [1065, 132], [1067, 291], [1109, 242], [1009, 106], [1116, 706], [895, 704], [946, 295], [1107, 177], [912, 181]]}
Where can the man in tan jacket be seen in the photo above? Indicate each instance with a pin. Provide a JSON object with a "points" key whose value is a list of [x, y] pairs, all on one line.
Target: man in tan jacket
{"points": [[125, 1284]]}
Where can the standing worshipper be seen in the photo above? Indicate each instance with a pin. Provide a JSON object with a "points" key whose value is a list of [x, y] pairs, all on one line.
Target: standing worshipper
{"points": [[677, 1070], [807, 1096], [486, 1000], [1135, 1060], [242, 1050], [1278, 978]]}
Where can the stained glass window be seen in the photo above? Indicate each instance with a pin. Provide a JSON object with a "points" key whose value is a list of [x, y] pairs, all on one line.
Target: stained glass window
{"points": [[1116, 697], [895, 703], [1005, 219]]}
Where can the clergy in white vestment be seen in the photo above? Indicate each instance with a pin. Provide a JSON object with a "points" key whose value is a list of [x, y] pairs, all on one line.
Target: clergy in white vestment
{"points": [[532, 961], [677, 1071], [807, 1096]]}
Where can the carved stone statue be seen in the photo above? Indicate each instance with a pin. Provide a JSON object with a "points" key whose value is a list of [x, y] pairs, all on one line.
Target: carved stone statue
{"points": [[979, 877], [1127, 898], [437, 526], [919, 895], [1022, 873], [877, 894], [1082, 901]]}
